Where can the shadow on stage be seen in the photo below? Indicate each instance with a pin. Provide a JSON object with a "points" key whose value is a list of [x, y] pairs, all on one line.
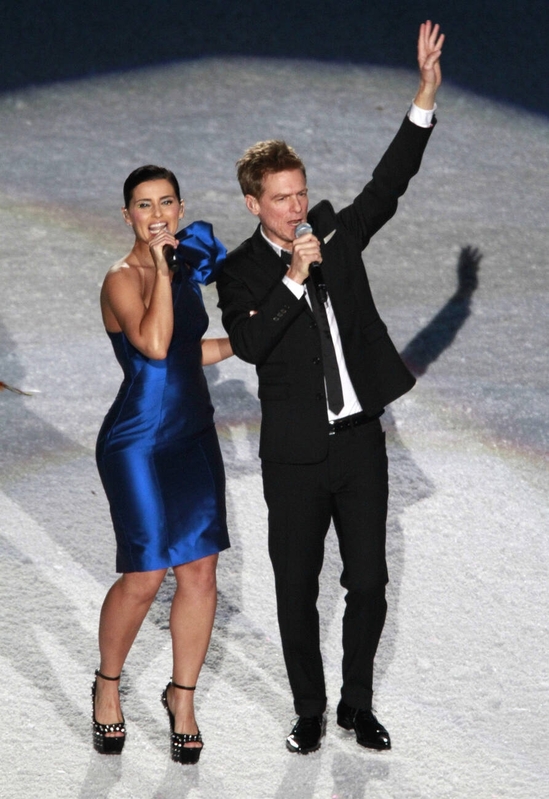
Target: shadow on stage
{"points": [[408, 484]]}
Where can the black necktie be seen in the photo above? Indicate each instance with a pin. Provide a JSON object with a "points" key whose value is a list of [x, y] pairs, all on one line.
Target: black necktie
{"points": [[329, 360]]}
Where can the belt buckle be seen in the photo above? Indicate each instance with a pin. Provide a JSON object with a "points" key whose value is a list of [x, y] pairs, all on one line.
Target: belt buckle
{"points": [[340, 424]]}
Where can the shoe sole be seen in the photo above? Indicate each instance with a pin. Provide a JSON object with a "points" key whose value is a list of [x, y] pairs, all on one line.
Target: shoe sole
{"points": [[295, 751], [374, 748], [108, 748], [351, 728]]}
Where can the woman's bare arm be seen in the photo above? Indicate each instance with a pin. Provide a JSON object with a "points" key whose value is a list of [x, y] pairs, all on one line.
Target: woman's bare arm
{"points": [[215, 350]]}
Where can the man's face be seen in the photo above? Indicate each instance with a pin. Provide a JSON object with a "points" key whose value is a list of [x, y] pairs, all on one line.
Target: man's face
{"points": [[282, 206]]}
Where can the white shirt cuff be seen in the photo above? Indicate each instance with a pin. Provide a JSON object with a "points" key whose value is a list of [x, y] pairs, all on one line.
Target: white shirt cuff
{"points": [[421, 117], [297, 289]]}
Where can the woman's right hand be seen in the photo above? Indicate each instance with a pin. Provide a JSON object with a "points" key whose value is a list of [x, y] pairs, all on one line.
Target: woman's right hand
{"points": [[156, 246]]}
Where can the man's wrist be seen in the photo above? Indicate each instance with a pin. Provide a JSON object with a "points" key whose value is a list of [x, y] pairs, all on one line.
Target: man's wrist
{"points": [[425, 97], [422, 117], [297, 289]]}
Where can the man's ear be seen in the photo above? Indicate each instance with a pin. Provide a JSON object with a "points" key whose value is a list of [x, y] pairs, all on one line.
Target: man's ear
{"points": [[252, 204]]}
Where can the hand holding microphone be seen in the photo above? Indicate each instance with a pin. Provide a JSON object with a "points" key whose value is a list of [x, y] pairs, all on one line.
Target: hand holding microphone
{"points": [[315, 272], [164, 244], [171, 257]]}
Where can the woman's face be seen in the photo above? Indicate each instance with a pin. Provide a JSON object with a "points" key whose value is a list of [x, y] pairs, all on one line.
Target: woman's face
{"points": [[153, 207]]}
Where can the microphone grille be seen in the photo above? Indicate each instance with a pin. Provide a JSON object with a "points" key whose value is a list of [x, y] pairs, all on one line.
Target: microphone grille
{"points": [[302, 229]]}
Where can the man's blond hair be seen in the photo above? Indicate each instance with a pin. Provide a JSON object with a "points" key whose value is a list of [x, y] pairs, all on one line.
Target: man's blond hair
{"points": [[265, 158]]}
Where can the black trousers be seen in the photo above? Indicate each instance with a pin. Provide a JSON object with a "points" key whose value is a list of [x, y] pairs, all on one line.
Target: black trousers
{"points": [[350, 487]]}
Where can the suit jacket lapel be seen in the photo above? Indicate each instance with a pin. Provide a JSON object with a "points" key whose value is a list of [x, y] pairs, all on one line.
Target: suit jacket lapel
{"points": [[343, 301], [269, 267]]}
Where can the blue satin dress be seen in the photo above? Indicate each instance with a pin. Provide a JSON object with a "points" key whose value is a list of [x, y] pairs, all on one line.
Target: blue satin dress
{"points": [[157, 451]]}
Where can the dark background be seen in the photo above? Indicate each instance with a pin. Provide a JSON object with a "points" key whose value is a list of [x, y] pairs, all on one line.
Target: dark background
{"points": [[499, 48]]}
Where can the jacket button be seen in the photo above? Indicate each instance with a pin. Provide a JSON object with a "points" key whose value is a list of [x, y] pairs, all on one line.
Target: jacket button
{"points": [[316, 361], [320, 396]]}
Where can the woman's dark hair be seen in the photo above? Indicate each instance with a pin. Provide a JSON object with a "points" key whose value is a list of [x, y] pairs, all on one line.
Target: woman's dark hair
{"points": [[145, 173]]}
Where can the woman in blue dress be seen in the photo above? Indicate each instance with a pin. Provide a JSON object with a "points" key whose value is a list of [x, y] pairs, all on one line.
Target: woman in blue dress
{"points": [[158, 454]]}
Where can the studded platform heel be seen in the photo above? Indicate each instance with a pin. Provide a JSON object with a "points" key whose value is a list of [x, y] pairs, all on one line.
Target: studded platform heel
{"points": [[103, 742], [181, 753]]}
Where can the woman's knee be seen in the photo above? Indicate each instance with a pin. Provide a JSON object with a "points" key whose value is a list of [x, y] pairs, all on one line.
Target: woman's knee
{"points": [[198, 575], [142, 586]]}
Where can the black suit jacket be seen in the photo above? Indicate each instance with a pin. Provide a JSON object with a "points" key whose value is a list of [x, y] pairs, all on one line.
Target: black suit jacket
{"points": [[282, 340]]}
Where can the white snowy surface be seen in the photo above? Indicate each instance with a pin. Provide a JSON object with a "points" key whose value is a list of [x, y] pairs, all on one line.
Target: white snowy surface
{"points": [[462, 679]]}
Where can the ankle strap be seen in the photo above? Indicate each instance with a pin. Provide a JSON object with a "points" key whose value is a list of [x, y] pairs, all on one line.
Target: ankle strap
{"points": [[104, 676], [183, 687]]}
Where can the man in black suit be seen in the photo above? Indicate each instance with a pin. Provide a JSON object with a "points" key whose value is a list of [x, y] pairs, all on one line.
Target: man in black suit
{"points": [[326, 369]]}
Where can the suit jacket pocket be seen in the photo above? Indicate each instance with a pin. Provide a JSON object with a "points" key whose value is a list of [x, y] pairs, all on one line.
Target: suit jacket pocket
{"points": [[272, 376]]}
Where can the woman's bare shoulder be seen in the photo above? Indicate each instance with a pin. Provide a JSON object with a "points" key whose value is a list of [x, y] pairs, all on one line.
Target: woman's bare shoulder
{"points": [[123, 273], [123, 266], [122, 279]]}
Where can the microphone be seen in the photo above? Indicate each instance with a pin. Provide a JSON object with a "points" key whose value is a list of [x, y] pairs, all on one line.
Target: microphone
{"points": [[171, 257], [315, 272]]}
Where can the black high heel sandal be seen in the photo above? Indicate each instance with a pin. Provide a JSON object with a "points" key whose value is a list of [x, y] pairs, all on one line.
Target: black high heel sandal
{"points": [[102, 742], [181, 753]]}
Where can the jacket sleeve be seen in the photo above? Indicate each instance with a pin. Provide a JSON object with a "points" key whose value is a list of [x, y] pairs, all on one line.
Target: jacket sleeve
{"points": [[255, 324], [378, 201]]}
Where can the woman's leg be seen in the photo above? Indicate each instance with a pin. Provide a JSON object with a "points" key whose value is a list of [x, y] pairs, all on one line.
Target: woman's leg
{"points": [[191, 622], [122, 614]]}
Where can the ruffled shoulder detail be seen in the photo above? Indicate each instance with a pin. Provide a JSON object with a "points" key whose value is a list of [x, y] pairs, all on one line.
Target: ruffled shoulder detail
{"points": [[201, 251]]}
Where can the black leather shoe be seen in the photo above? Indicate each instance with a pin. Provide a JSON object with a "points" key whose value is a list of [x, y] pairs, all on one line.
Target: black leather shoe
{"points": [[306, 734], [346, 716], [369, 732]]}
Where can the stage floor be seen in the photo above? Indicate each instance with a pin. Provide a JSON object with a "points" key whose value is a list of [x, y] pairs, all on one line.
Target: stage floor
{"points": [[462, 680]]}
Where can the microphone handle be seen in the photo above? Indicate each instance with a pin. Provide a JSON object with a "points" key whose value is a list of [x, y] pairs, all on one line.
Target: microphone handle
{"points": [[170, 256], [315, 273]]}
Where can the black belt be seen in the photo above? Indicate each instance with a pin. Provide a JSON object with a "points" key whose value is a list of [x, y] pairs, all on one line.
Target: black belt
{"points": [[354, 420]]}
